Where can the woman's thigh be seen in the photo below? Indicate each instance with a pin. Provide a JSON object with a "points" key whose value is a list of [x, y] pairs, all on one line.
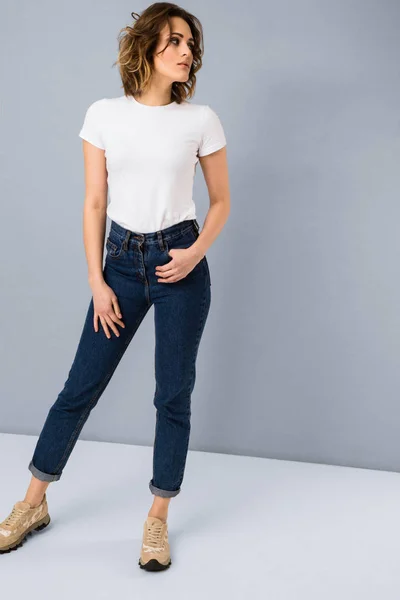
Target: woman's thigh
{"points": [[180, 317], [97, 356]]}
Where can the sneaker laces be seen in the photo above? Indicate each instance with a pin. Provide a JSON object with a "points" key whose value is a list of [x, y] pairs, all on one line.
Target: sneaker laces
{"points": [[154, 536], [13, 517]]}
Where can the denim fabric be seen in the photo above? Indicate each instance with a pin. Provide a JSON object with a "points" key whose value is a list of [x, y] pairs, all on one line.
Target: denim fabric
{"points": [[180, 313]]}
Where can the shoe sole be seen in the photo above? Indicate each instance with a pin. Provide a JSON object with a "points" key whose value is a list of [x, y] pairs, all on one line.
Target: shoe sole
{"points": [[154, 565], [35, 527]]}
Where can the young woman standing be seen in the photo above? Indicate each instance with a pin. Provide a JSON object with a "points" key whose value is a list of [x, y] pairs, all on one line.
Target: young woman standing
{"points": [[142, 148]]}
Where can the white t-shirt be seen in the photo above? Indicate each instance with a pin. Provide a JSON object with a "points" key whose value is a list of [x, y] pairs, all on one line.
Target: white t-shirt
{"points": [[151, 155]]}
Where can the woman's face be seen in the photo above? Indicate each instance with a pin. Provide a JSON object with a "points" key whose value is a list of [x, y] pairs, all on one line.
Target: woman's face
{"points": [[178, 50]]}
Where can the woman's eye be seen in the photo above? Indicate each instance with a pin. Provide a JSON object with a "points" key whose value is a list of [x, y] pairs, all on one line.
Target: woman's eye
{"points": [[191, 46]]}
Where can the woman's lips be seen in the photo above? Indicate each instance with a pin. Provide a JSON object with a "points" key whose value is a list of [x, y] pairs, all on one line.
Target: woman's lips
{"points": [[183, 65]]}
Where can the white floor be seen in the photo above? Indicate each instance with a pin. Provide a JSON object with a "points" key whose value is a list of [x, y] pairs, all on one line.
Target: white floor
{"points": [[241, 528]]}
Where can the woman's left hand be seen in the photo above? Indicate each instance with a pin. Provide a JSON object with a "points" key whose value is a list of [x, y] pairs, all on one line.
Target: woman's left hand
{"points": [[183, 261]]}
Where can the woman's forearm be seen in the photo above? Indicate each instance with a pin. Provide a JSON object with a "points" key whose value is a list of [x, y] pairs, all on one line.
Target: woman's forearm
{"points": [[94, 227]]}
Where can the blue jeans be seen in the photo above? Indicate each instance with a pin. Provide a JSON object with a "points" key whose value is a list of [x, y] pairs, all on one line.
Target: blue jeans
{"points": [[180, 313]]}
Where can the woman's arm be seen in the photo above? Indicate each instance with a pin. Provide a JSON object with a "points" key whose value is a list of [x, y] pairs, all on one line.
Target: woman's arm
{"points": [[94, 211], [215, 171]]}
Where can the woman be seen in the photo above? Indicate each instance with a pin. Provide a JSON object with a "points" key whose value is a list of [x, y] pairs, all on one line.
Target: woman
{"points": [[143, 147]]}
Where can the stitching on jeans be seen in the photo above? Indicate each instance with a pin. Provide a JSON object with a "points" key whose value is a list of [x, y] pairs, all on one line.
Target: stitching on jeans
{"points": [[172, 237], [112, 249], [101, 388], [180, 233]]}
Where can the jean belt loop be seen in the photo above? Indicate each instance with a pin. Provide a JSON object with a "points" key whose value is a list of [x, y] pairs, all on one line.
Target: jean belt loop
{"points": [[196, 225], [126, 240], [160, 240]]}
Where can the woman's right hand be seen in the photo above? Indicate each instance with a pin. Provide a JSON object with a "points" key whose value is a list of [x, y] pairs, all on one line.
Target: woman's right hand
{"points": [[106, 308]]}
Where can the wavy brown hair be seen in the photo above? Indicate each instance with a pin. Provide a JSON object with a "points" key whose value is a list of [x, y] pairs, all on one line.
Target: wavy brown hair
{"points": [[137, 45]]}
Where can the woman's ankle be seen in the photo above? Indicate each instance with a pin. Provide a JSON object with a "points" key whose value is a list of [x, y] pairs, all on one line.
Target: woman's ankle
{"points": [[34, 501]]}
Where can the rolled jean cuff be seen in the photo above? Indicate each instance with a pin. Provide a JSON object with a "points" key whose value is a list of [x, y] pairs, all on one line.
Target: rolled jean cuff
{"points": [[42, 476], [163, 493]]}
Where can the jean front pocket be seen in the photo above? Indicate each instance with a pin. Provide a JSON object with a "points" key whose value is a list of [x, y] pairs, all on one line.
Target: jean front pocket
{"points": [[183, 241], [114, 246]]}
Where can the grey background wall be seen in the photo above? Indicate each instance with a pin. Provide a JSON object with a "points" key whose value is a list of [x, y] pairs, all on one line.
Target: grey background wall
{"points": [[301, 353]]}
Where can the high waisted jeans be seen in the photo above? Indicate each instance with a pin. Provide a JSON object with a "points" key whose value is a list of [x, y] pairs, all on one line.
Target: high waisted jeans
{"points": [[180, 313]]}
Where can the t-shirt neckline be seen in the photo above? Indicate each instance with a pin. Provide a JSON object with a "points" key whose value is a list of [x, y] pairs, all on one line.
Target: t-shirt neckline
{"points": [[133, 100]]}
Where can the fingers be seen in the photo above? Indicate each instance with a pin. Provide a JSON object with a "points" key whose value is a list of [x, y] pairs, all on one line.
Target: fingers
{"points": [[164, 267], [172, 276], [104, 324], [175, 269], [106, 308], [165, 270], [108, 320], [116, 307], [169, 273]]}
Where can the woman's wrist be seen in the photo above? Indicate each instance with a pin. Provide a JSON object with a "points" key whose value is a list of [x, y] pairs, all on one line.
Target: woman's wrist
{"points": [[95, 278]]}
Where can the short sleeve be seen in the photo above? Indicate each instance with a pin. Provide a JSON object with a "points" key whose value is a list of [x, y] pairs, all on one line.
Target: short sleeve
{"points": [[213, 137], [91, 128]]}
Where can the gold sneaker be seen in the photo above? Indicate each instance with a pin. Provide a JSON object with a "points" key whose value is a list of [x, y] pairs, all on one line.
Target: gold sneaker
{"points": [[20, 522], [155, 554]]}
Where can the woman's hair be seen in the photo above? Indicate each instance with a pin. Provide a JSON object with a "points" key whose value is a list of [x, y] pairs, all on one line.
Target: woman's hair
{"points": [[138, 43]]}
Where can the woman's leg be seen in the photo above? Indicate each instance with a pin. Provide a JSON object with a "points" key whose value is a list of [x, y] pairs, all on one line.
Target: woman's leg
{"points": [[95, 362], [36, 491], [180, 313], [159, 508]]}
